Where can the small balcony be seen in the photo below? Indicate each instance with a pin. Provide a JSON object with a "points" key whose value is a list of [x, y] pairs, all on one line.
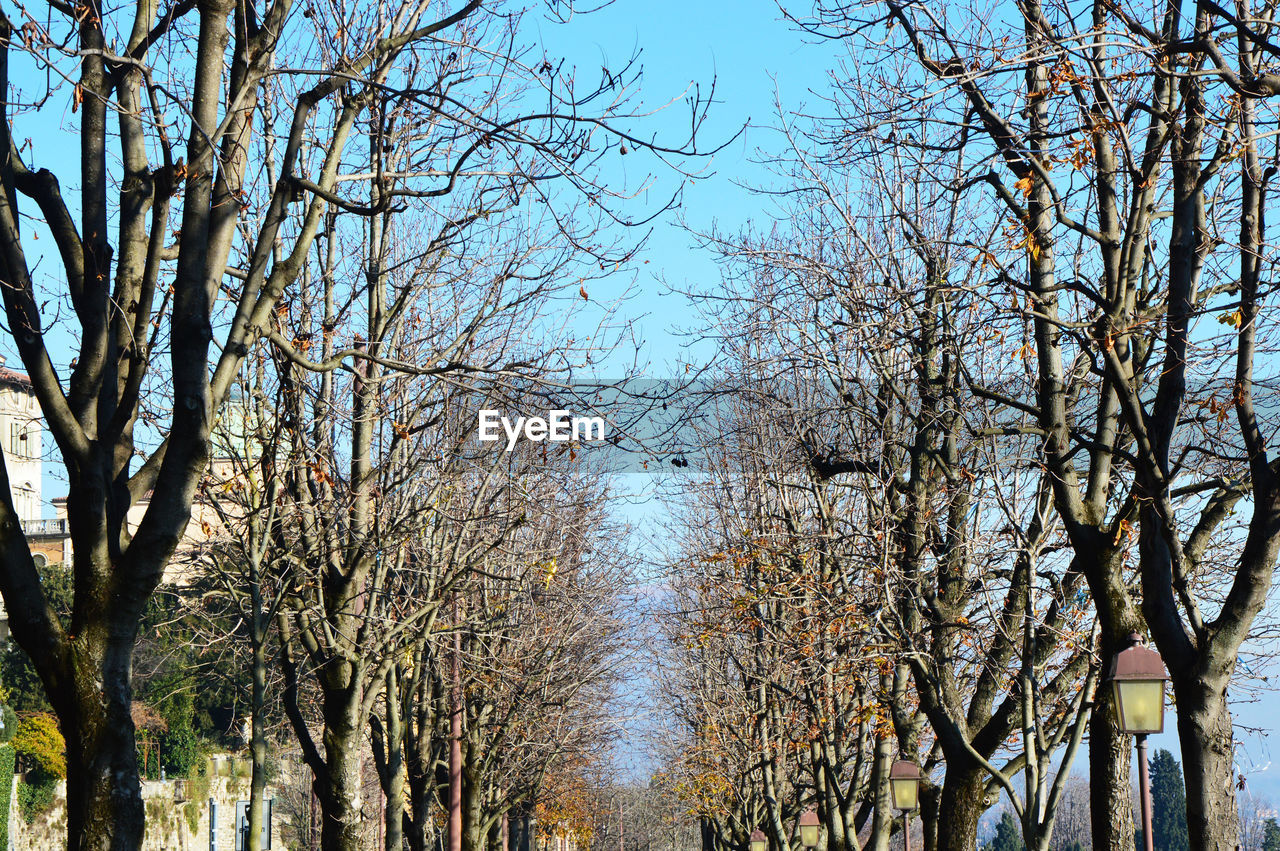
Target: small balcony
{"points": [[56, 528]]}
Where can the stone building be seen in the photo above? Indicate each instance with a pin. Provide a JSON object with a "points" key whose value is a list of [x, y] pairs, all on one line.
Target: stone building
{"points": [[20, 436]]}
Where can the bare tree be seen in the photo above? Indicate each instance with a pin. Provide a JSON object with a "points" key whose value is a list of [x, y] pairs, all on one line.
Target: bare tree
{"points": [[776, 672], [1072, 826], [541, 658], [228, 126], [237, 576], [853, 329], [1126, 153], [642, 817]]}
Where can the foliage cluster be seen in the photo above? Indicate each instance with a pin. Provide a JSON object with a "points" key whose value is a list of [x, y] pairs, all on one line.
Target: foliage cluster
{"points": [[1271, 835], [41, 748], [1168, 804], [6, 790], [35, 798], [1008, 835]]}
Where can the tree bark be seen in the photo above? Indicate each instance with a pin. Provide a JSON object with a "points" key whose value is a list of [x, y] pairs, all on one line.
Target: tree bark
{"points": [[422, 749], [961, 805], [257, 708], [1110, 790], [930, 810], [882, 816], [474, 835], [389, 755], [341, 795], [707, 830], [1205, 734], [104, 793]]}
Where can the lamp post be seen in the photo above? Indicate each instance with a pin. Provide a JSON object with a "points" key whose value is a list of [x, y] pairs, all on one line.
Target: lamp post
{"points": [[758, 841], [810, 827], [1137, 679], [904, 790]]}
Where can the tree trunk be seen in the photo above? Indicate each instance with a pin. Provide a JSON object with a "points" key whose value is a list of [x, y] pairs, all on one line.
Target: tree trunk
{"points": [[421, 747], [1110, 797], [416, 830], [960, 805], [930, 798], [389, 756], [1205, 733], [419, 828], [707, 829], [104, 794], [1110, 790], [257, 733], [341, 799], [474, 835], [394, 812], [882, 816], [831, 811]]}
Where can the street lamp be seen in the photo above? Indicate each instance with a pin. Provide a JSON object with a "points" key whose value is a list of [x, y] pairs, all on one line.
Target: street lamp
{"points": [[809, 829], [1137, 679], [904, 789], [758, 842]]}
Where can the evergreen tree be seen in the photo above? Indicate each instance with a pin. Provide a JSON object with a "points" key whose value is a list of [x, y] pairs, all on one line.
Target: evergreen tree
{"points": [[1271, 835], [1168, 804], [1008, 835]]}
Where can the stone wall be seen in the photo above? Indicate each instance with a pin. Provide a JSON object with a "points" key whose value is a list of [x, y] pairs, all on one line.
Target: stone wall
{"points": [[177, 813]]}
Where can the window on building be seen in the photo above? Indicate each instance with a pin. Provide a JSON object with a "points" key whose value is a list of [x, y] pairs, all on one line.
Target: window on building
{"points": [[17, 441], [24, 501]]}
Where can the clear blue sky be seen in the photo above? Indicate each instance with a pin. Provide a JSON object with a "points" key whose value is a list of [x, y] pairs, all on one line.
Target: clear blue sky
{"points": [[750, 53]]}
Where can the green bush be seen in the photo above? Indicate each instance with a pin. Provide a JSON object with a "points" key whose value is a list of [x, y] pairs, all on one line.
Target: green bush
{"points": [[35, 798], [39, 743], [6, 790], [179, 751]]}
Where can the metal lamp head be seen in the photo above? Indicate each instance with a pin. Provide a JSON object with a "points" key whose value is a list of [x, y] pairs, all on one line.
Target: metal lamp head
{"points": [[1137, 678], [758, 841], [810, 827], [904, 785]]}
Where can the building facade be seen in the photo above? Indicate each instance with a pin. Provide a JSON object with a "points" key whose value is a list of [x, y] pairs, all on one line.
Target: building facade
{"points": [[20, 438]]}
